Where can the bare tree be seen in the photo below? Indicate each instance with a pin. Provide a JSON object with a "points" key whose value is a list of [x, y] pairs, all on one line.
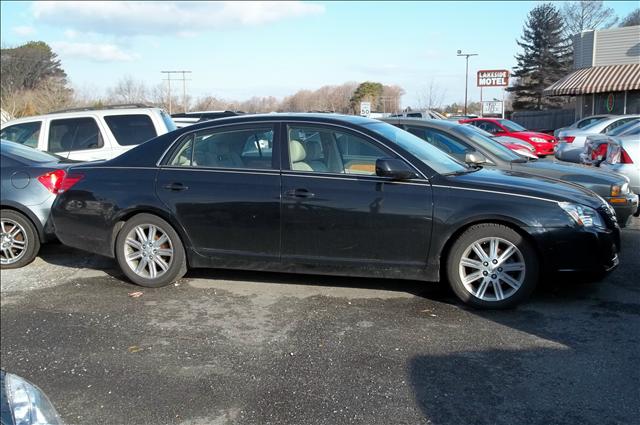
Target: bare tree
{"points": [[128, 90], [587, 15], [631, 19], [431, 97]]}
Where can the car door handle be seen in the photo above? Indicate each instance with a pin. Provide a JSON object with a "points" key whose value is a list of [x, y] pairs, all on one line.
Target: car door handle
{"points": [[299, 193], [176, 187]]}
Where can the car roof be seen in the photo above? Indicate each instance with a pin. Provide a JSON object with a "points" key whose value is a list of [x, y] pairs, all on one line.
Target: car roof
{"points": [[441, 124], [82, 113], [288, 116]]}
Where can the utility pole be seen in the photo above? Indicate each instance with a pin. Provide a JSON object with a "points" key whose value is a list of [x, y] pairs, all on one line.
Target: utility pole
{"points": [[184, 86], [466, 77]]}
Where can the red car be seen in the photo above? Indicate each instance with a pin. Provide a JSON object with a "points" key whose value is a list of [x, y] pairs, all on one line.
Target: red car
{"points": [[544, 144]]}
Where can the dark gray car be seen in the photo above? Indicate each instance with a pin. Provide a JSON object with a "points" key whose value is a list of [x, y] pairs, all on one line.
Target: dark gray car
{"points": [[467, 145], [30, 181]]}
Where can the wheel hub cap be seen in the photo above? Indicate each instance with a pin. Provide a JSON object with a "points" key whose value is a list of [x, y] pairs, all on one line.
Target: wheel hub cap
{"points": [[148, 251], [13, 241], [492, 269]]}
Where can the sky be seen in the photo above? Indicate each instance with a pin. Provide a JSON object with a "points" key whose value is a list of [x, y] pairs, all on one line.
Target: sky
{"points": [[236, 50]]}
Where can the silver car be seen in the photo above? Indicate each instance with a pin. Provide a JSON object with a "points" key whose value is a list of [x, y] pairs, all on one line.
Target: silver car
{"points": [[581, 123], [30, 181], [595, 147], [623, 157], [571, 142]]}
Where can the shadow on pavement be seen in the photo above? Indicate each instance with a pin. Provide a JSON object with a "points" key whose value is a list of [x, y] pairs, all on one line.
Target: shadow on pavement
{"points": [[574, 367]]}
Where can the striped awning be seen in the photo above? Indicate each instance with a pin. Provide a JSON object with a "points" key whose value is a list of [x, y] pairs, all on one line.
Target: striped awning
{"points": [[597, 79]]}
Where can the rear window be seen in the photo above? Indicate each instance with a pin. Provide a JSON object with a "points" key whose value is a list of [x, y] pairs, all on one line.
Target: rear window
{"points": [[131, 129], [26, 153]]}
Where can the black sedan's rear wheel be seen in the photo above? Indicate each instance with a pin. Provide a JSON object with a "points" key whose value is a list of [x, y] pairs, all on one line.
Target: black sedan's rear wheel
{"points": [[149, 251], [492, 266], [18, 240]]}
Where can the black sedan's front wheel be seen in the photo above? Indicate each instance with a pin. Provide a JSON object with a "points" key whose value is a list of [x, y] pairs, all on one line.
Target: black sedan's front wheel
{"points": [[492, 266], [149, 251]]}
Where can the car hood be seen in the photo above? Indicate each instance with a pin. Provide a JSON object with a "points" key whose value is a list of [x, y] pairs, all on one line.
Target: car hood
{"points": [[574, 173], [535, 134], [520, 183]]}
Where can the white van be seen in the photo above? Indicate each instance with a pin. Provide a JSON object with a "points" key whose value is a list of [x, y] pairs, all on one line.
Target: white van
{"points": [[89, 134]]}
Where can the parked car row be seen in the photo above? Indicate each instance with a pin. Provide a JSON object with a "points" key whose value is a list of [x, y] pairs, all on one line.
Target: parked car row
{"points": [[571, 141], [327, 194]]}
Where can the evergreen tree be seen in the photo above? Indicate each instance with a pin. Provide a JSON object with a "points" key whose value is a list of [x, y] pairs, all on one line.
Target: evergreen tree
{"points": [[545, 59], [367, 92]]}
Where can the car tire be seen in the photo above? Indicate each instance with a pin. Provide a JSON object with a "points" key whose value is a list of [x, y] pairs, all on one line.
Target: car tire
{"points": [[504, 276], [149, 251], [19, 239]]}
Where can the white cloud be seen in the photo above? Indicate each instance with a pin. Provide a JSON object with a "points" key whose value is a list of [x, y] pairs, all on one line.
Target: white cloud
{"points": [[24, 31], [99, 52], [166, 17]]}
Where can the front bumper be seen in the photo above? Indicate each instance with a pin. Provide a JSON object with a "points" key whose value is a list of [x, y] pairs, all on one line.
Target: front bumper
{"points": [[545, 149], [625, 206], [572, 249]]}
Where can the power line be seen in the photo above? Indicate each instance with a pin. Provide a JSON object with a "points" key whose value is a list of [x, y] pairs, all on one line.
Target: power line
{"points": [[184, 86]]}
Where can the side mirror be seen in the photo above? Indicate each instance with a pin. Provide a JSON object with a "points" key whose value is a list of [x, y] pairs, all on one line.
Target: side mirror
{"points": [[394, 168], [474, 158]]}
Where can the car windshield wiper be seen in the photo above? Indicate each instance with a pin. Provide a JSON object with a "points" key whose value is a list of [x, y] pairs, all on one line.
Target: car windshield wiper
{"points": [[519, 160], [471, 169]]}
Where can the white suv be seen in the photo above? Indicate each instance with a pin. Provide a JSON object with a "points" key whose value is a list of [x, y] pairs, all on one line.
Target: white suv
{"points": [[88, 134]]}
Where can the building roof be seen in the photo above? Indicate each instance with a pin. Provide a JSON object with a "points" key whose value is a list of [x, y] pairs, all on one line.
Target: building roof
{"points": [[597, 79]]}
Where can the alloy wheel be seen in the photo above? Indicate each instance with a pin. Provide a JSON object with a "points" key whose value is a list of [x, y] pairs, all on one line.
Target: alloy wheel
{"points": [[13, 241], [148, 251], [492, 269]]}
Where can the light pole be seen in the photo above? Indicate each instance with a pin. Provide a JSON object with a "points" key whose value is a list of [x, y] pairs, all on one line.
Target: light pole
{"points": [[466, 77]]}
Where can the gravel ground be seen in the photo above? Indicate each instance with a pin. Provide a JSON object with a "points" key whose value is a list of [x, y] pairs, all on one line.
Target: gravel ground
{"points": [[256, 348]]}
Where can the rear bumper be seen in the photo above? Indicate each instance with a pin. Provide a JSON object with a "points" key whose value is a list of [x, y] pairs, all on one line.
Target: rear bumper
{"points": [[578, 250]]}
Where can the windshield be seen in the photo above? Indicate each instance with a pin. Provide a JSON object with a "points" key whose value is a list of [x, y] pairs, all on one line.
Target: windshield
{"points": [[511, 126], [25, 152], [487, 142], [433, 157]]}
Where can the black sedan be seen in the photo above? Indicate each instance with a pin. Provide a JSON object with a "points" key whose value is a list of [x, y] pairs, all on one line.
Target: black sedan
{"points": [[467, 143], [331, 194]]}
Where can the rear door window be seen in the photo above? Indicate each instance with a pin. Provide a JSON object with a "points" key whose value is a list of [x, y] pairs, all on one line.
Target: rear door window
{"points": [[74, 134], [25, 133], [246, 148], [131, 129], [617, 124]]}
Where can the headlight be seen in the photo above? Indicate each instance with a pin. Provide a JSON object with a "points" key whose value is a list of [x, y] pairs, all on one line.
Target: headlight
{"points": [[583, 216], [538, 140], [617, 190], [28, 404]]}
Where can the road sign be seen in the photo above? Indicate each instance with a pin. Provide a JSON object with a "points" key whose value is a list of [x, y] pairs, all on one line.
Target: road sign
{"points": [[493, 78], [493, 107], [365, 109]]}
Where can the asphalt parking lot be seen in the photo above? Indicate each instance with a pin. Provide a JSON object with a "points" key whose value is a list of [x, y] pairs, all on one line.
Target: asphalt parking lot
{"points": [[226, 347]]}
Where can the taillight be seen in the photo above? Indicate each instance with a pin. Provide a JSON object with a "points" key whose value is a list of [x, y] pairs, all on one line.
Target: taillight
{"points": [[568, 139], [59, 181], [624, 157]]}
